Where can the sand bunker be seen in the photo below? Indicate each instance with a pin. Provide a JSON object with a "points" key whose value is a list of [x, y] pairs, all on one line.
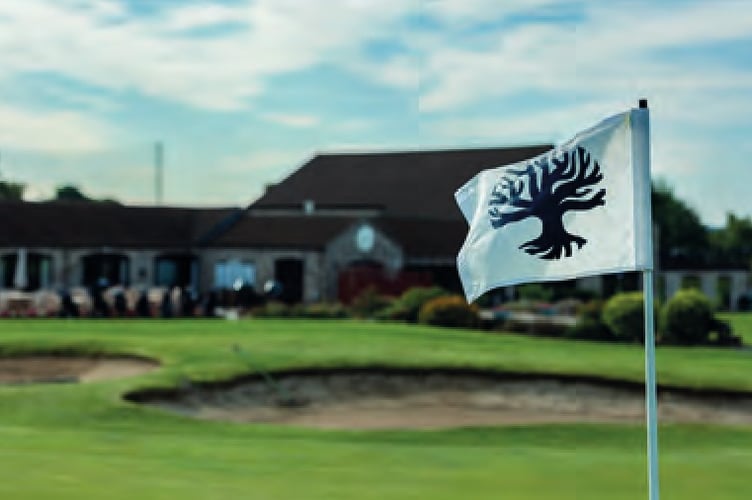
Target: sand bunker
{"points": [[52, 369], [385, 399]]}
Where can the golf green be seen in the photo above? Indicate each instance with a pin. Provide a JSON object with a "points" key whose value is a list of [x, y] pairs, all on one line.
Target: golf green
{"points": [[74, 441]]}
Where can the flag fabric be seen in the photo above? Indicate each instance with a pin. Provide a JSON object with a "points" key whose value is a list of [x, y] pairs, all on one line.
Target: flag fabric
{"points": [[578, 210]]}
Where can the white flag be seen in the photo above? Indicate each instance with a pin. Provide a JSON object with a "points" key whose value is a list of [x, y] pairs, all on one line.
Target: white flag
{"points": [[580, 209]]}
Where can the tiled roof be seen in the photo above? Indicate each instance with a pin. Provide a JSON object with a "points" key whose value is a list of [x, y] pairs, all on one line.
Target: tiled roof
{"points": [[81, 224], [405, 184], [288, 231]]}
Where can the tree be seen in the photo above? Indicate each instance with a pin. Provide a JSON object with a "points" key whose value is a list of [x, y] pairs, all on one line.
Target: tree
{"points": [[732, 244], [11, 190], [682, 238], [546, 190], [69, 192]]}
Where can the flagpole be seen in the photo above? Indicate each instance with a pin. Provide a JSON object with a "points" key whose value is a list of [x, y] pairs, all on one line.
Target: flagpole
{"points": [[642, 150]]}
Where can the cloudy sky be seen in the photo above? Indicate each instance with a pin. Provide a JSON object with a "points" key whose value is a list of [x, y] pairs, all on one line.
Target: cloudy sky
{"points": [[242, 92]]}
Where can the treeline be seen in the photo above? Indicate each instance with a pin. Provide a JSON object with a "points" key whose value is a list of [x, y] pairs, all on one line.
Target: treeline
{"points": [[14, 191], [683, 241]]}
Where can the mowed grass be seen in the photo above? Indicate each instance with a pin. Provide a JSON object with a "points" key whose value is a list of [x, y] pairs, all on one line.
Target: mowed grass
{"points": [[83, 441]]}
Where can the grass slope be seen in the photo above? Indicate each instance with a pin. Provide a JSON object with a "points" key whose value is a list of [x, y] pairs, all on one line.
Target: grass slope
{"points": [[74, 442]]}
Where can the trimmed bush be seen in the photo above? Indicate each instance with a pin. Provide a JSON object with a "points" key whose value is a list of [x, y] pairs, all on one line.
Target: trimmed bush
{"points": [[408, 305], [545, 326], [535, 292], [320, 310], [623, 314], [272, 310], [450, 311], [324, 310], [724, 336], [369, 303], [590, 325], [687, 318], [588, 328]]}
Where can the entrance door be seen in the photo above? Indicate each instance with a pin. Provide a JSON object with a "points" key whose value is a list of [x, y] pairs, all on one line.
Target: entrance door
{"points": [[176, 270], [289, 274]]}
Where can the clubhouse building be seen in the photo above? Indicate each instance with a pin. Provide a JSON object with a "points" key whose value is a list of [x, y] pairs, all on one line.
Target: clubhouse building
{"points": [[340, 223]]}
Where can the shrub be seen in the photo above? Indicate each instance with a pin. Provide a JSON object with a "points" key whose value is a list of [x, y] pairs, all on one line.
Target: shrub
{"points": [[590, 325], [588, 328], [724, 336], [408, 305], [450, 310], [624, 315], [369, 303], [592, 309], [687, 318], [537, 325], [522, 306], [535, 292], [744, 303], [272, 310], [324, 310]]}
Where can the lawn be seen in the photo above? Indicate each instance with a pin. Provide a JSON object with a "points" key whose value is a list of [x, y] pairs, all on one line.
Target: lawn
{"points": [[83, 441]]}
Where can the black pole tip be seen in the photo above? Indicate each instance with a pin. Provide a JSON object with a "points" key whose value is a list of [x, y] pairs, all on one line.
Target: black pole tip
{"points": [[643, 104]]}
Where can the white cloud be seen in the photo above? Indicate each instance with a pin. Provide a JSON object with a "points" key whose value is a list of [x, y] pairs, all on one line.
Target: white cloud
{"points": [[221, 72], [614, 49], [239, 178], [473, 11], [54, 131], [201, 16], [546, 126], [293, 120], [263, 161]]}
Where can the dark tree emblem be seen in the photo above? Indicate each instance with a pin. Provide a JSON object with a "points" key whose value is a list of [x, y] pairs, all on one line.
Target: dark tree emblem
{"points": [[547, 188]]}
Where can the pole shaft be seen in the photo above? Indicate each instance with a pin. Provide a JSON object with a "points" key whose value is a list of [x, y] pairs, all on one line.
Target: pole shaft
{"points": [[651, 397], [641, 156]]}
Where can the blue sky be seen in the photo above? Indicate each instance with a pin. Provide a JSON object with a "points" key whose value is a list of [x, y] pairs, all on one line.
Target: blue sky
{"points": [[242, 92]]}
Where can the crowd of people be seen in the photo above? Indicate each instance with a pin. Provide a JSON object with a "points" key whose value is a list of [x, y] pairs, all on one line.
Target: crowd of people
{"points": [[122, 302]]}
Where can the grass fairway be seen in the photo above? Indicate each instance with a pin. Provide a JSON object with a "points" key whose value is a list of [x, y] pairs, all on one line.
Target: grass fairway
{"points": [[82, 441]]}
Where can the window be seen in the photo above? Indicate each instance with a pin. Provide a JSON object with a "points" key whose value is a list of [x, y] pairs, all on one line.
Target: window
{"points": [[105, 270], [167, 272], [36, 271], [234, 274], [176, 270]]}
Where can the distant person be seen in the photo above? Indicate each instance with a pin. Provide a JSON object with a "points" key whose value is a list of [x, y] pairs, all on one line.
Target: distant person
{"points": [[187, 302], [166, 307], [100, 309], [210, 304], [143, 308], [120, 304], [68, 308]]}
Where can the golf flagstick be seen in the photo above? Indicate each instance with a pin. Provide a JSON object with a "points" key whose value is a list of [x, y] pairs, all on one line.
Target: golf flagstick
{"points": [[641, 157]]}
